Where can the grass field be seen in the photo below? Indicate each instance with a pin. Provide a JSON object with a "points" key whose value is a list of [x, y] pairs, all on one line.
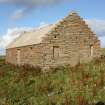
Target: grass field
{"points": [[80, 85], [103, 51]]}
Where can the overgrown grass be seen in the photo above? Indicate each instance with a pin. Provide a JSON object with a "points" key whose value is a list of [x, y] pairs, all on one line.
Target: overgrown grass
{"points": [[80, 85], [103, 51]]}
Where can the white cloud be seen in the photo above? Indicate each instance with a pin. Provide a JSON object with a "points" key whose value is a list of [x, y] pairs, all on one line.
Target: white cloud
{"points": [[42, 24], [11, 35], [28, 5], [17, 14], [30, 2], [102, 39], [98, 26]]}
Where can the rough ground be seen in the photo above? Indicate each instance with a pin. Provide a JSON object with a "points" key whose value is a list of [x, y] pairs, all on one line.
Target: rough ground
{"points": [[80, 85]]}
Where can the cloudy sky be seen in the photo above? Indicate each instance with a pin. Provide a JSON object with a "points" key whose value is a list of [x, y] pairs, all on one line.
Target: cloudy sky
{"points": [[17, 16]]}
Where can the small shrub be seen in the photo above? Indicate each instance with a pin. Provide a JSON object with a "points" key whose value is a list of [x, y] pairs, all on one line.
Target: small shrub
{"points": [[99, 103], [80, 100], [2, 73], [34, 70]]}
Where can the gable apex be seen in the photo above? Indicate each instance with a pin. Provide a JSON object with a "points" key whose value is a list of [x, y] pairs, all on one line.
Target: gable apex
{"points": [[73, 13]]}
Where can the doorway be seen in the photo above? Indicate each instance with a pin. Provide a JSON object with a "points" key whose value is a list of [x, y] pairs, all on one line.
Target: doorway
{"points": [[55, 51]]}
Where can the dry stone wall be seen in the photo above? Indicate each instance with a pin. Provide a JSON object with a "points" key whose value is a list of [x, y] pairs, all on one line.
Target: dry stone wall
{"points": [[71, 41], [74, 39], [28, 55]]}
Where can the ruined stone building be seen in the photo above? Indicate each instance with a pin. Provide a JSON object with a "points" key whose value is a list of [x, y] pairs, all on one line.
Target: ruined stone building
{"points": [[69, 41]]}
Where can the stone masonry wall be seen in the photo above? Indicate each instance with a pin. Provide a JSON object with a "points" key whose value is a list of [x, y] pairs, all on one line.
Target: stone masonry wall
{"points": [[74, 39], [28, 55], [70, 42]]}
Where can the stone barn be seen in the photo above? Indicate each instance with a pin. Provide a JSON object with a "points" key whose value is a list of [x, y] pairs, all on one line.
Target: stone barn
{"points": [[69, 41]]}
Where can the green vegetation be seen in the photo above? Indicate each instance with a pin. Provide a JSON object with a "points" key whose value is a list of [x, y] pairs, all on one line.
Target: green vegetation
{"points": [[2, 57], [103, 51], [80, 85]]}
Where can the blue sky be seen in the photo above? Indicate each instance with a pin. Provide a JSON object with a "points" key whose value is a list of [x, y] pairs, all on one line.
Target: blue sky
{"points": [[33, 13]]}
